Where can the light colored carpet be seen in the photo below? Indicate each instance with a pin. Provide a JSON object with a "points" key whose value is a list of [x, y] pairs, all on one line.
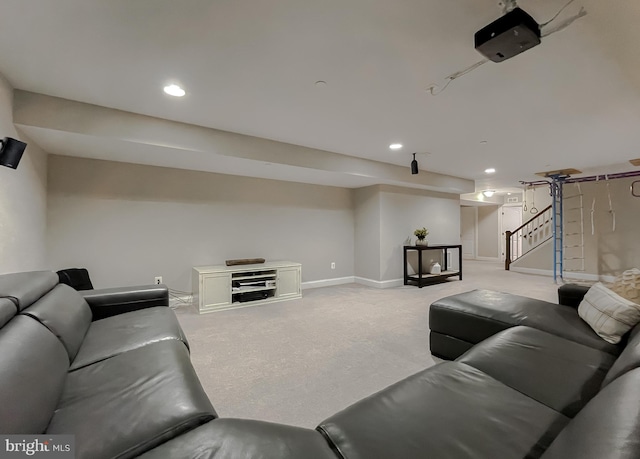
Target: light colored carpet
{"points": [[300, 361]]}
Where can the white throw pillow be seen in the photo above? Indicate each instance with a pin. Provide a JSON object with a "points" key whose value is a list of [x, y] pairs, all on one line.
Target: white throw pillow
{"points": [[609, 314], [627, 285]]}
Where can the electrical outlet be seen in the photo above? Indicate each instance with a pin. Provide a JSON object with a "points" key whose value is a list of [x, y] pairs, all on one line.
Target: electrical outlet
{"points": [[333, 265], [157, 280]]}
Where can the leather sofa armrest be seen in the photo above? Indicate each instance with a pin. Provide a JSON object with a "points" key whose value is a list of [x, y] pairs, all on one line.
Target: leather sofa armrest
{"points": [[571, 294], [113, 301]]}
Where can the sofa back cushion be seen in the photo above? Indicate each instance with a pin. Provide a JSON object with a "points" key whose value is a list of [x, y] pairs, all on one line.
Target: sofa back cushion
{"points": [[33, 368], [607, 427], [24, 289], [65, 312], [628, 360]]}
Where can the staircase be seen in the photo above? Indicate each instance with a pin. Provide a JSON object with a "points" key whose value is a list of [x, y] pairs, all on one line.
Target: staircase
{"points": [[528, 236]]}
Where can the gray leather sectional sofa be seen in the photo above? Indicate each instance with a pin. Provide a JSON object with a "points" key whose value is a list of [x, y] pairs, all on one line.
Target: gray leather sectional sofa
{"points": [[113, 368]]}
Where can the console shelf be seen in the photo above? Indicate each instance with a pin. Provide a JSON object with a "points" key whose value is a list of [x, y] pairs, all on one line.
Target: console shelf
{"points": [[218, 288], [420, 278]]}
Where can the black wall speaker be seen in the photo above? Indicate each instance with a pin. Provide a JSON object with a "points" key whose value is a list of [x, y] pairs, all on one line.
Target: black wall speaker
{"points": [[414, 165], [11, 152]]}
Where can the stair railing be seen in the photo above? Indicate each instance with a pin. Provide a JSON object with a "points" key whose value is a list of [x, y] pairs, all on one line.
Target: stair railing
{"points": [[531, 234]]}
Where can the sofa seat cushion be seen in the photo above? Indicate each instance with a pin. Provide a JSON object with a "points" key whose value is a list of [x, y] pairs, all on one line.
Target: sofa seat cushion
{"points": [[240, 439], [115, 335], [556, 372], [476, 315], [451, 410], [125, 405], [608, 427]]}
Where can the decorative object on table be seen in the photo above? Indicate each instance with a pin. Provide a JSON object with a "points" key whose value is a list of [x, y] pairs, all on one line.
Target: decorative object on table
{"points": [[435, 268], [421, 234], [244, 261]]}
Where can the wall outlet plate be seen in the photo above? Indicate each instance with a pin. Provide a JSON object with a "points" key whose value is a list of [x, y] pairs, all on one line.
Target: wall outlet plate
{"points": [[157, 280]]}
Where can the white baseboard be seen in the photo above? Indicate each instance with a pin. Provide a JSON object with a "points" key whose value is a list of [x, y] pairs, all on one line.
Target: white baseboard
{"points": [[180, 301], [379, 284], [350, 280], [567, 275], [328, 282], [588, 277], [488, 258]]}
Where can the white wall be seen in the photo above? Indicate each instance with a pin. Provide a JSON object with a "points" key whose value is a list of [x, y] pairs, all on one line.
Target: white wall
{"points": [[394, 213], [539, 258], [537, 197], [607, 252], [403, 210], [22, 199], [128, 223], [468, 217], [367, 232], [488, 232]]}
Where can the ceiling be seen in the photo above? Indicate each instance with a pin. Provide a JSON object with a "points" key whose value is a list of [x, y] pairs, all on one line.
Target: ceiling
{"points": [[250, 67]]}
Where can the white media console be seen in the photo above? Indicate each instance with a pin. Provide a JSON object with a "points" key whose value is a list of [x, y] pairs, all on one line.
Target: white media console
{"points": [[217, 288]]}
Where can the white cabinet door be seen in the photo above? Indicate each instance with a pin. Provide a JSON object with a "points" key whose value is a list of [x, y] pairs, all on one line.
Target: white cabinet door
{"points": [[215, 290], [288, 282]]}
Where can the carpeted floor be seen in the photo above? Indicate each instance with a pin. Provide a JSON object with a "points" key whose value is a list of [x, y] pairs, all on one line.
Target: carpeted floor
{"points": [[298, 362]]}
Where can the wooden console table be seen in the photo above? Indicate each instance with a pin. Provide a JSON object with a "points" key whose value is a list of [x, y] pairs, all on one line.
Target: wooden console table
{"points": [[420, 279]]}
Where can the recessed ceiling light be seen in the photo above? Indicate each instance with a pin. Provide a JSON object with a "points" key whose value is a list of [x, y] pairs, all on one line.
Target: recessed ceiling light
{"points": [[395, 146], [509, 194], [483, 142], [321, 83], [174, 90], [488, 193], [491, 170]]}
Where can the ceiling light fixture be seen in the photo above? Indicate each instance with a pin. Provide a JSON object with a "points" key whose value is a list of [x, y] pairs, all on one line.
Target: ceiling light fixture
{"points": [[491, 170], [395, 146], [174, 90], [488, 193], [414, 165]]}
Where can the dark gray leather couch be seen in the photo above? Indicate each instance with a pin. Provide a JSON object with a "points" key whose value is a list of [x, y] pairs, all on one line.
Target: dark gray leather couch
{"points": [[112, 367], [460, 321], [125, 387]]}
